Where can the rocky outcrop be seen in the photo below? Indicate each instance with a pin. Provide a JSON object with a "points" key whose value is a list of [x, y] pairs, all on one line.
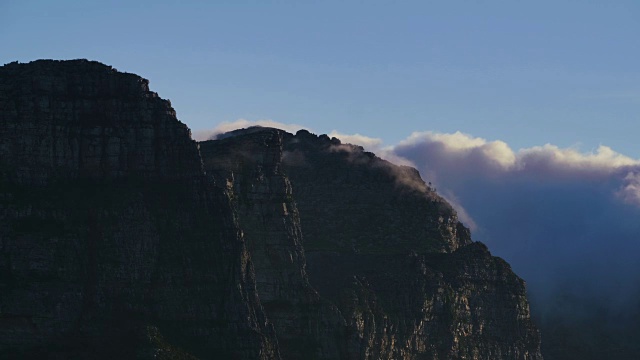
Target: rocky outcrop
{"points": [[120, 237]]}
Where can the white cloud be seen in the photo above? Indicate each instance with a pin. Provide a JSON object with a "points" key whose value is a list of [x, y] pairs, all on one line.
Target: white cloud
{"points": [[455, 142], [449, 158], [570, 160], [497, 154], [458, 147]]}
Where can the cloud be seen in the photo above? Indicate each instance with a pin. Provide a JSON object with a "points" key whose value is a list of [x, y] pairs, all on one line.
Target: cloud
{"points": [[455, 154], [207, 134], [551, 160], [456, 157]]}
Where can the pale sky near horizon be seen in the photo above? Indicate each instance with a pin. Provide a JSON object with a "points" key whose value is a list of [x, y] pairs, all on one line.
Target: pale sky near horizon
{"points": [[559, 72]]}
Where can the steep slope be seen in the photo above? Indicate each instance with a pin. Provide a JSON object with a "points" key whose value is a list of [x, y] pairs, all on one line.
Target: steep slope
{"points": [[113, 243], [379, 245]]}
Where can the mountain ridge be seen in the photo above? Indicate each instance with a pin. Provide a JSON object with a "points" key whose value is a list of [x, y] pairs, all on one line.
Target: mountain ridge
{"points": [[260, 244]]}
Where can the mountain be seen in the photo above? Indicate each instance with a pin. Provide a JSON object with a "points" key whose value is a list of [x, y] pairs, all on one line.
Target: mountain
{"points": [[121, 237]]}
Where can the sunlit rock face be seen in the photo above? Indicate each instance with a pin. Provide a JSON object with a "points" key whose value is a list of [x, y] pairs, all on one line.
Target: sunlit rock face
{"points": [[120, 237]]}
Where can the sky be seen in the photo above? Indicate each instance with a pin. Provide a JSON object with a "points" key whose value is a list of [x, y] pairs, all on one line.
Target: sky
{"points": [[525, 115], [527, 73]]}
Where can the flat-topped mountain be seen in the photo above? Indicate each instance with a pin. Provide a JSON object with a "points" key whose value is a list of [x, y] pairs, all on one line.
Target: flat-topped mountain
{"points": [[121, 237]]}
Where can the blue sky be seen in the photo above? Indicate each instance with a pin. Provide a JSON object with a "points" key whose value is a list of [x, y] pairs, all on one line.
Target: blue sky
{"points": [[560, 72]]}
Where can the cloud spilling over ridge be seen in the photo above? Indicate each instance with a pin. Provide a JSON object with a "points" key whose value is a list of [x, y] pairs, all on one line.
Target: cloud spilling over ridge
{"points": [[374, 145], [564, 219], [466, 169]]}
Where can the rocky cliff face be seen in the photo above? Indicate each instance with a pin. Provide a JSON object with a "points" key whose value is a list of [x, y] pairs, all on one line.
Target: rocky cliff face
{"points": [[120, 237]]}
